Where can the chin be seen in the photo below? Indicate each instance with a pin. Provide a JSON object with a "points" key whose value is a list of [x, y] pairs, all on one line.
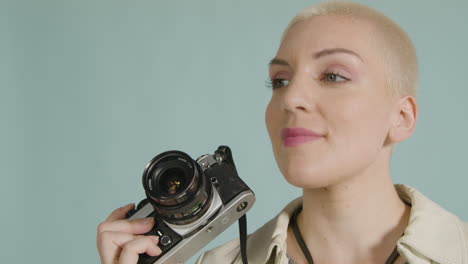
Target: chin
{"points": [[306, 179]]}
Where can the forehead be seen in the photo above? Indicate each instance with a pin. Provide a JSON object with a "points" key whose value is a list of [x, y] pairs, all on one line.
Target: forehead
{"points": [[329, 32]]}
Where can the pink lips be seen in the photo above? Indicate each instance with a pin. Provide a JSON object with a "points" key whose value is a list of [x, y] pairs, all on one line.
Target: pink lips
{"points": [[296, 136]]}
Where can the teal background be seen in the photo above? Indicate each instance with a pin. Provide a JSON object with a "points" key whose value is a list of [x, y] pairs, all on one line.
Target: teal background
{"points": [[92, 90]]}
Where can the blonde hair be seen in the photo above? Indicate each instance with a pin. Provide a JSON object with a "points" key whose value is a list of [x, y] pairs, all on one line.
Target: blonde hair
{"points": [[398, 50]]}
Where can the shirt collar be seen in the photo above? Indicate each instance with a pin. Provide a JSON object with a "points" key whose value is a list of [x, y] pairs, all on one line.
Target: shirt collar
{"points": [[272, 234]]}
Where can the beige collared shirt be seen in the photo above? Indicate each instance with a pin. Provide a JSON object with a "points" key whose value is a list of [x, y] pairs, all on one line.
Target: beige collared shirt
{"points": [[433, 235]]}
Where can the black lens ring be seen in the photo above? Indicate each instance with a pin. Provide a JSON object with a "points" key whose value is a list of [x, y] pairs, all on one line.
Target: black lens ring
{"points": [[164, 161], [194, 198]]}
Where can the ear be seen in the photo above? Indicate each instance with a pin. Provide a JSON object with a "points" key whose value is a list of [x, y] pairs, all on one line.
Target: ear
{"points": [[404, 123]]}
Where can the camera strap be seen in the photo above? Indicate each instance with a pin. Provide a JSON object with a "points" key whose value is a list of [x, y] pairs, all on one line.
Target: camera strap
{"points": [[243, 237], [300, 240]]}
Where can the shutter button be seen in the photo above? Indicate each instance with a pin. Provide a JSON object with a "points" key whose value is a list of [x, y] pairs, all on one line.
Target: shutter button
{"points": [[165, 240]]}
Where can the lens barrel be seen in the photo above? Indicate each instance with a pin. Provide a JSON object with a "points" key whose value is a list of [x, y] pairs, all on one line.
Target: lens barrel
{"points": [[177, 187]]}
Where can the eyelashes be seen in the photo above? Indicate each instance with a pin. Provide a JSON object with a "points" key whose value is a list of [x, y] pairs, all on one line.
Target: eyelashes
{"points": [[276, 83], [328, 77], [333, 76]]}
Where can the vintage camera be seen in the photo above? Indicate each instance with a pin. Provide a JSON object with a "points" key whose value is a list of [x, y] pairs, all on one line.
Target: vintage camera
{"points": [[192, 201]]}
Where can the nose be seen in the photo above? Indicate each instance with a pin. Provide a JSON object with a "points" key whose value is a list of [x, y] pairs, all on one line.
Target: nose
{"points": [[298, 97]]}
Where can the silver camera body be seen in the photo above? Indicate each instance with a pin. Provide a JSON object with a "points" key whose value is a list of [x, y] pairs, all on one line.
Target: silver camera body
{"points": [[192, 201]]}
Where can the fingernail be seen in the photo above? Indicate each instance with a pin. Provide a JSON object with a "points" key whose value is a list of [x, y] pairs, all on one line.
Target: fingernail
{"points": [[125, 206], [148, 220]]}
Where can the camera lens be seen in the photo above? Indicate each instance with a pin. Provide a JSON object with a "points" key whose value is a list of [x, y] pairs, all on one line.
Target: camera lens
{"points": [[176, 187], [172, 181]]}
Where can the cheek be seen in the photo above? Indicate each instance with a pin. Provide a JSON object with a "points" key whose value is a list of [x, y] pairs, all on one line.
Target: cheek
{"points": [[361, 120], [271, 117]]}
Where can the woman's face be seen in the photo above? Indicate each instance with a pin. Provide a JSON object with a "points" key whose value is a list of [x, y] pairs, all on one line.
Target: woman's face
{"points": [[328, 77]]}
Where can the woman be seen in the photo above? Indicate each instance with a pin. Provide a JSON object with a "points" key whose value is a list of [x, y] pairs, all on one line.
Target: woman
{"points": [[344, 84]]}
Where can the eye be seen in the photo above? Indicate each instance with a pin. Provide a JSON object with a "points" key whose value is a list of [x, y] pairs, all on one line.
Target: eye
{"points": [[333, 77], [277, 83]]}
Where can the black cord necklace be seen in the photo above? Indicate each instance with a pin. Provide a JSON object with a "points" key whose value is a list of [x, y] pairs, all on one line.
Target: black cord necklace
{"points": [[305, 250]]}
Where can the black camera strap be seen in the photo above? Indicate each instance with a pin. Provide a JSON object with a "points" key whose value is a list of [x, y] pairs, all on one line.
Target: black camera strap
{"points": [[300, 240], [243, 238]]}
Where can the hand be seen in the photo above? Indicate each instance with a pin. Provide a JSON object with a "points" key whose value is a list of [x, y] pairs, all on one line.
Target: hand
{"points": [[119, 240]]}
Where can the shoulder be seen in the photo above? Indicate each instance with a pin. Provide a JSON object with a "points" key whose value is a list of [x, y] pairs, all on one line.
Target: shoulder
{"points": [[262, 245], [227, 253], [464, 240], [433, 232], [465, 229]]}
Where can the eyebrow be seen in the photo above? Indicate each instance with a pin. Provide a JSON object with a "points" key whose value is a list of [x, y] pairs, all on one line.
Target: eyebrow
{"points": [[318, 55], [326, 52], [276, 61]]}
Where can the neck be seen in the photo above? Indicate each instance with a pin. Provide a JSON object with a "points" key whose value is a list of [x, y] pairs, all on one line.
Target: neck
{"points": [[358, 221]]}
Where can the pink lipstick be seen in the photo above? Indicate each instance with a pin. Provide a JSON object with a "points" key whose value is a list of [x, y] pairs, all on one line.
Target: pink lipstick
{"points": [[296, 136]]}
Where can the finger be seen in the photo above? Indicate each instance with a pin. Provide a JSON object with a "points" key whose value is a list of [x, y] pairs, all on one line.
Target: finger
{"points": [[139, 245], [137, 226], [110, 243], [120, 212]]}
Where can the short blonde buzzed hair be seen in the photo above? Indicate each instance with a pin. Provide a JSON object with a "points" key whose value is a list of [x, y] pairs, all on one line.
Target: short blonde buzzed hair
{"points": [[398, 50]]}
